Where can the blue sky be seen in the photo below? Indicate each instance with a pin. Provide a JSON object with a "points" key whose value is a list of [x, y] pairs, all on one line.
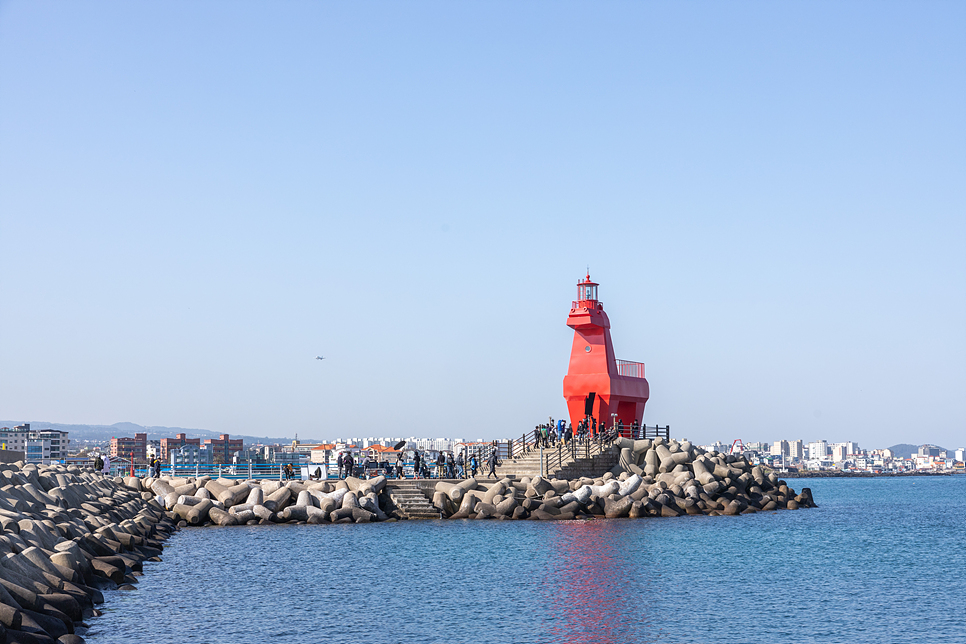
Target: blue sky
{"points": [[196, 199]]}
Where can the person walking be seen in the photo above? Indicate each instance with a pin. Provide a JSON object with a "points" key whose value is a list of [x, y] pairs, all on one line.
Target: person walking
{"points": [[493, 462], [460, 465], [474, 465]]}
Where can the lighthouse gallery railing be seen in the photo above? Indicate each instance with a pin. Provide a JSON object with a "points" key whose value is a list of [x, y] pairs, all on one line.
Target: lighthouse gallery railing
{"points": [[630, 369]]}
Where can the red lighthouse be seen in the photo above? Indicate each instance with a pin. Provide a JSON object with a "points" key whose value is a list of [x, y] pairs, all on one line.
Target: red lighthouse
{"points": [[597, 384]]}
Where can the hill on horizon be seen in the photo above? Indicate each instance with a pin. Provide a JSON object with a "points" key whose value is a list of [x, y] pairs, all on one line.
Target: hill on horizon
{"points": [[106, 432], [907, 450]]}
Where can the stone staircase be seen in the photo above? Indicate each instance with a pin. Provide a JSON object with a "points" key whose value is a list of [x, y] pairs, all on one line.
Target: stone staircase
{"points": [[569, 467], [411, 500]]}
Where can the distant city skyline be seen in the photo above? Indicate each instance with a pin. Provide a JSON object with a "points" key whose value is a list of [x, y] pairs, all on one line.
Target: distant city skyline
{"points": [[770, 197]]}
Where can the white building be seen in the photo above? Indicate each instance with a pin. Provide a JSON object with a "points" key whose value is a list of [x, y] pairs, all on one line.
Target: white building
{"points": [[818, 451], [780, 448], [796, 450], [840, 452], [191, 454]]}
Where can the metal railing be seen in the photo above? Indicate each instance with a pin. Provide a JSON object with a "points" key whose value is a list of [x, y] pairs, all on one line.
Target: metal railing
{"points": [[630, 369], [557, 453], [638, 433], [589, 447], [565, 453]]}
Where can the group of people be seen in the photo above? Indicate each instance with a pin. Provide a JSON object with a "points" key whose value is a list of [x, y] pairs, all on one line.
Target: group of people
{"points": [[553, 433], [103, 464], [346, 463], [446, 466]]}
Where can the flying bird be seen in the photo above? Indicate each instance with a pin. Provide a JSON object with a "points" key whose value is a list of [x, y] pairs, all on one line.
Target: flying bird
{"points": [[319, 358]]}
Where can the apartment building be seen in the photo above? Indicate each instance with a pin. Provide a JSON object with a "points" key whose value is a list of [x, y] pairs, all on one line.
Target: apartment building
{"points": [[40, 445], [125, 447], [223, 448]]}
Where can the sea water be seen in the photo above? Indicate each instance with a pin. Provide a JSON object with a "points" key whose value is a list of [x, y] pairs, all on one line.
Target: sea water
{"points": [[880, 560]]}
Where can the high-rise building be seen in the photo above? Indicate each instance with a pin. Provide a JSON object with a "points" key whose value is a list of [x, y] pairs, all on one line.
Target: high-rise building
{"points": [[840, 452], [960, 453], [796, 450], [928, 450], [780, 448], [818, 451]]}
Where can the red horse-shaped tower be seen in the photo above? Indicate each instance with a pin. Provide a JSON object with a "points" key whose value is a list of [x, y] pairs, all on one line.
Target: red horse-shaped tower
{"points": [[597, 384]]}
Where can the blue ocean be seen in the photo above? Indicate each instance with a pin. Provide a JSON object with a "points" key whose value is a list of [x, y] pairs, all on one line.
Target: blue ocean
{"points": [[880, 560]]}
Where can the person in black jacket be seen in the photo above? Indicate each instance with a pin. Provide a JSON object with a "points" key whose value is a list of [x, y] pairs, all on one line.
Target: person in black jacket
{"points": [[416, 460], [493, 462], [349, 462], [441, 465]]}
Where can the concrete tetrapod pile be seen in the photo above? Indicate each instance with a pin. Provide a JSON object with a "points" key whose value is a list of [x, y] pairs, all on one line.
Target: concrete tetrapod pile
{"points": [[225, 502], [654, 478], [67, 534]]}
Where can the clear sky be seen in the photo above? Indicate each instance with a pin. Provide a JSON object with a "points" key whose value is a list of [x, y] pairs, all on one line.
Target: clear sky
{"points": [[196, 199]]}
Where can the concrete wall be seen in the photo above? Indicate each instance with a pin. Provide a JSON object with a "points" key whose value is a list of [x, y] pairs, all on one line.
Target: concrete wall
{"points": [[12, 456]]}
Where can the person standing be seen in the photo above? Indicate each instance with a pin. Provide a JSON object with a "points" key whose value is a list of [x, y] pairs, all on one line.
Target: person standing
{"points": [[474, 465], [399, 465], [98, 463], [106, 469], [340, 462], [416, 460], [349, 464]]}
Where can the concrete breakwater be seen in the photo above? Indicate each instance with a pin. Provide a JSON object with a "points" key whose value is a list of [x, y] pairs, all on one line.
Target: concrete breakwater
{"points": [[68, 534], [652, 479]]}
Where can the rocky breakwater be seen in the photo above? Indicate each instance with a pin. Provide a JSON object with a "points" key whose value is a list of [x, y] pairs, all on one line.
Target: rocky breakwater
{"points": [[224, 502], [654, 478], [69, 533]]}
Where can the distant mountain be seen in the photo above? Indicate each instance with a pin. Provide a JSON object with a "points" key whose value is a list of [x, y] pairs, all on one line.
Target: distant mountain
{"points": [[102, 433], [905, 450]]}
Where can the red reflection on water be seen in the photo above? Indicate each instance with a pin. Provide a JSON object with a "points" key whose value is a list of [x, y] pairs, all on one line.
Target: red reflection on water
{"points": [[595, 590]]}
